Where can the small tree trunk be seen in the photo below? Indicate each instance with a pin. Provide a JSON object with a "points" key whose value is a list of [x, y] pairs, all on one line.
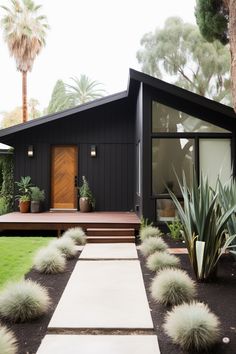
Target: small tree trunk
{"points": [[24, 96], [232, 42]]}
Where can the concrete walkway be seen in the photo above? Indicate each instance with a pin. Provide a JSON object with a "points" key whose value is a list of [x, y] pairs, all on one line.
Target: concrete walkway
{"points": [[104, 308]]}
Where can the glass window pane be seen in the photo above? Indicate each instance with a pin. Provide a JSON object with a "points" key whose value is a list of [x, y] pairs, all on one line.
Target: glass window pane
{"points": [[169, 120], [166, 210], [215, 159], [169, 155]]}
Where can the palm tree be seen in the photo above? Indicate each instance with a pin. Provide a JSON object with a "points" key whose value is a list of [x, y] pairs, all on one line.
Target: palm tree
{"points": [[84, 89], [24, 33]]}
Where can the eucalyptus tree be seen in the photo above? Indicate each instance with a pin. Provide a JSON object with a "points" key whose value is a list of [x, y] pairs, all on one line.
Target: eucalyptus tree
{"points": [[181, 55], [83, 90], [217, 20], [24, 32]]}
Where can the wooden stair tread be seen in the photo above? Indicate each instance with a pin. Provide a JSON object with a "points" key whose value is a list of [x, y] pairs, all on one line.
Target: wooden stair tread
{"points": [[109, 228]]}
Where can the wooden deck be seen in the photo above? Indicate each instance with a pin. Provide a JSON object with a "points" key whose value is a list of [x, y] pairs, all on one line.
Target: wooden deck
{"points": [[61, 221]]}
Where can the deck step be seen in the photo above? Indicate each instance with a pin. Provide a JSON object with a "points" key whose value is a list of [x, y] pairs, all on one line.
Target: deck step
{"points": [[110, 231], [111, 239]]}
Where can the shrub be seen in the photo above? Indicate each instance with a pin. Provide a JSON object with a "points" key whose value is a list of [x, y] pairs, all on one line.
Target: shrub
{"points": [[192, 326], [76, 234], [153, 244], [172, 287], [49, 260], [66, 246], [23, 301], [149, 231], [175, 227], [160, 260], [7, 341]]}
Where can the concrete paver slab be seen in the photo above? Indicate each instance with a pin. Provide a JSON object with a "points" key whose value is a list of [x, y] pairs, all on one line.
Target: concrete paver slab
{"points": [[79, 247], [109, 250], [106, 344], [104, 294]]}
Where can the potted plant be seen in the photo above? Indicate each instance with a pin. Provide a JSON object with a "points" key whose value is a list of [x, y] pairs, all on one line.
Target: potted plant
{"points": [[37, 196], [24, 186], [86, 201], [24, 203]]}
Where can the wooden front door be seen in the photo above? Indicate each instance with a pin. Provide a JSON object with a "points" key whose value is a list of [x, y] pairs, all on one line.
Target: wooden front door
{"points": [[64, 177]]}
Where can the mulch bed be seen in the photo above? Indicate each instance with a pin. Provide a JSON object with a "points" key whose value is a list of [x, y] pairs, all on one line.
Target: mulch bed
{"points": [[220, 297], [29, 335]]}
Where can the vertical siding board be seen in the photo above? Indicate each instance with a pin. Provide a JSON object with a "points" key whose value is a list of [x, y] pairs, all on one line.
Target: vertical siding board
{"points": [[110, 128]]}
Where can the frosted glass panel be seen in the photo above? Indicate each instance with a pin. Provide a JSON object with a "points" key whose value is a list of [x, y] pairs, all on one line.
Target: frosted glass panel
{"points": [[215, 159], [169, 120], [169, 155]]}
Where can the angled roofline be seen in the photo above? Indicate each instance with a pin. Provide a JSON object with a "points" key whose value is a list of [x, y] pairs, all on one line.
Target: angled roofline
{"points": [[58, 115], [181, 93], [134, 81]]}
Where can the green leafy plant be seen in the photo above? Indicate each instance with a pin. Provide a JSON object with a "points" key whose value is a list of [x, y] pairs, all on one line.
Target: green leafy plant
{"points": [[160, 260], [4, 206], [50, 261], [76, 234], [24, 198], [175, 226], [192, 326], [153, 244], [204, 225], [85, 192], [24, 186], [23, 301], [149, 231], [172, 287], [145, 222], [227, 199], [37, 195], [7, 341], [7, 187]]}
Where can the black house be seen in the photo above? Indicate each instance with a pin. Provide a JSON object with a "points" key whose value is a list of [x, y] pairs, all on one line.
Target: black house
{"points": [[127, 146]]}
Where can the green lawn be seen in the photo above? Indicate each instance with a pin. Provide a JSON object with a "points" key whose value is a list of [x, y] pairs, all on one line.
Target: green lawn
{"points": [[16, 256]]}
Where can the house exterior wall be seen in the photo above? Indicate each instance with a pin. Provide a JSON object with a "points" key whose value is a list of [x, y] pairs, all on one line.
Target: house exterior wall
{"points": [[138, 195], [150, 94], [110, 174]]}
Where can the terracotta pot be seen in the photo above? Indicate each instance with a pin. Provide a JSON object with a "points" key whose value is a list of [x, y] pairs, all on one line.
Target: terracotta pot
{"points": [[84, 205], [24, 206]]}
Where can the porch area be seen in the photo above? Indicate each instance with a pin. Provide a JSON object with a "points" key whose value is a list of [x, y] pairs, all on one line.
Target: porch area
{"points": [[99, 226]]}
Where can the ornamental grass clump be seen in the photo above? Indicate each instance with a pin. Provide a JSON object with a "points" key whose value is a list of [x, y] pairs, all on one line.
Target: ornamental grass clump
{"points": [[160, 260], [172, 287], [66, 246], [192, 326], [23, 301], [153, 244], [49, 260], [77, 235], [7, 341], [149, 231]]}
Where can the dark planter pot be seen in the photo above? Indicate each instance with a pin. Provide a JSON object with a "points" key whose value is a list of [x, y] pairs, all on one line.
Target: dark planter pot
{"points": [[24, 207], [84, 205], [35, 207]]}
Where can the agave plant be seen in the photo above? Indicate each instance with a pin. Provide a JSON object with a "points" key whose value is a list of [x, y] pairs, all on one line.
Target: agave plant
{"points": [[227, 199], [204, 225]]}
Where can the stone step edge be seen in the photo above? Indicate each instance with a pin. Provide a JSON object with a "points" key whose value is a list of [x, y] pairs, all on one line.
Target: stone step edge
{"points": [[102, 331]]}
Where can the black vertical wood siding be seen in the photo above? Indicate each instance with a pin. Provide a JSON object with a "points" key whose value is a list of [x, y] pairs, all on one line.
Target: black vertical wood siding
{"points": [[110, 174]]}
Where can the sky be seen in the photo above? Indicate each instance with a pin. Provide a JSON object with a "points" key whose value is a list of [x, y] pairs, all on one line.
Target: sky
{"points": [[96, 38]]}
